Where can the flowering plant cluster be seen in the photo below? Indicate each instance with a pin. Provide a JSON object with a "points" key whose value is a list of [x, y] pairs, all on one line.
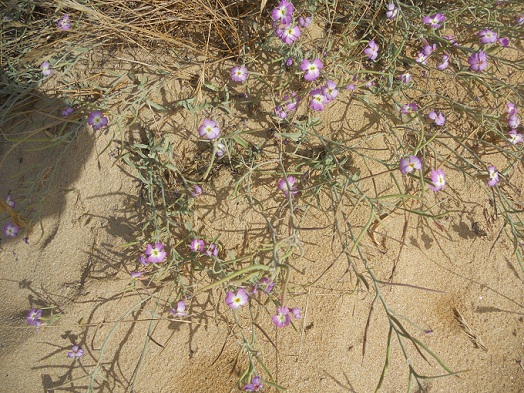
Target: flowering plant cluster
{"points": [[283, 25]]}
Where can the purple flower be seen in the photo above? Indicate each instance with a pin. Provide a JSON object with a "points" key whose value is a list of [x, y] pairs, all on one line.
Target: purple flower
{"points": [[513, 120], [409, 164], [281, 319], [451, 39], [515, 137], [180, 309], [318, 100], [444, 63], [392, 11], [429, 49], [478, 61], [75, 352], [520, 20], [372, 50], [512, 109], [438, 119], [503, 41], [289, 61], [11, 230], [291, 101], [434, 21], [330, 91], [290, 34], [487, 36], [212, 250], [46, 68], [280, 112], [493, 176], [237, 300], [143, 260], [67, 112], [267, 283], [254, 386], [283, 12], [304, 22], [197, 245], [287, 186], [409, 109], [197, 191], [64, 23], [350, 87], [33, 317], [239, 74], [156, 253], [405, 77], [136, 275], [10, 201], [96, 120], [220, 149], [312, 69], [209, 129], [296, 312], [438, 180], [421, 58]]}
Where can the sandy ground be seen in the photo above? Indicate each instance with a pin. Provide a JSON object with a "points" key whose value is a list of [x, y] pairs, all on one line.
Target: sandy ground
{"points": [[78, 265]]}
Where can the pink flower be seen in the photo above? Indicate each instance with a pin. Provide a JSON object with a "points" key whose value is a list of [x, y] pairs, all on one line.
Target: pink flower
{"points": [[46, 68], [409, 109], [212, 250], [451, 39], [209, 129], [283, 12], [280, 112], [290, 34], [513, 121], [281, 319], [392, 11], [64, 23], [239, 74], [421, 58], [512, 109], [372, 50], [291, 101], [97, 120], [296, 312], [329, 90], [478, 61], [197, 245], [409, 164], [429, 49], [493, 176], [75, 352], [237, 300], [67, 112], [197, 191], [438, 180], [287, 186], [220, 149], [438, 119], [312, 69], [136, 275], [487, 36], [10, 201], [444, 63], [434, 21], [503, 41], [405, 77], [254, 386], [318, 100], [33, 317], [514, 137], [304, 22], [11, 230], [156, 253], [180, 309]]}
